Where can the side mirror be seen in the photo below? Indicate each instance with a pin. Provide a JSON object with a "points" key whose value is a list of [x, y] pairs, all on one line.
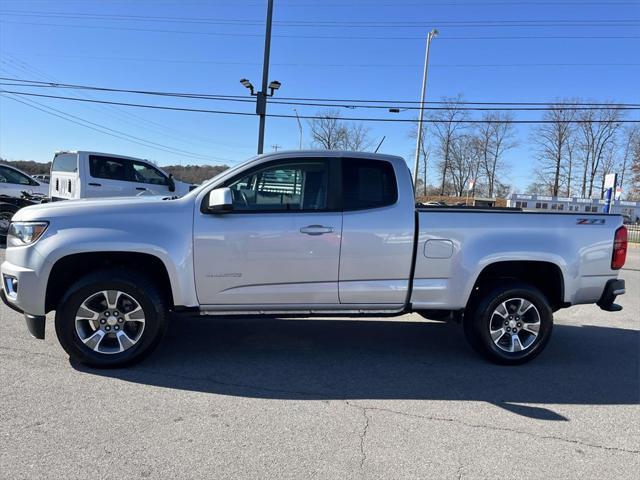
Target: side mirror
{"points": [[220, 200], [172, 184]]}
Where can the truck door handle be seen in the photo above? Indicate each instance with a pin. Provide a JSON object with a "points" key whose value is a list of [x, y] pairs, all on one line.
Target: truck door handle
{"points": [[140, 188], [95, 184], [316, 229]]}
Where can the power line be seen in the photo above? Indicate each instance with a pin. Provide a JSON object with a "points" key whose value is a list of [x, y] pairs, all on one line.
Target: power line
{"points": [[106, 130], [357, 4], [320, 23], [347, 103], [327, 37], [118, 113], [309, 117], [356, 65], [570, 107]]}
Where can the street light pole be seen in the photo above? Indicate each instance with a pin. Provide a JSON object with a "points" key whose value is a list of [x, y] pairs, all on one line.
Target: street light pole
{"points": [[432, 34], [261, 100], [299, 127]]}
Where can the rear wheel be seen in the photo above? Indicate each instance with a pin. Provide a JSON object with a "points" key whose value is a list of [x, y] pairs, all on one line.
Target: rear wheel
{"points": [[111, 318], [511, 324]]}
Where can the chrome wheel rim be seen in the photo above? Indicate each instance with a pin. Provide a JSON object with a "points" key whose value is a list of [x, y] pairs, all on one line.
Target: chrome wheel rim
{"points": [[110, 321], [514, 325]]}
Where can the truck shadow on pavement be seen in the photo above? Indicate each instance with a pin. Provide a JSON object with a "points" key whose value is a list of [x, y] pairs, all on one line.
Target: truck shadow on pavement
{"points": [[337, 359]]}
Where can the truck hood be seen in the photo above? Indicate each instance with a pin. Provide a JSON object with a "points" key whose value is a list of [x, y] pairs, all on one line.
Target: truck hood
{"points": [[95, 207]]}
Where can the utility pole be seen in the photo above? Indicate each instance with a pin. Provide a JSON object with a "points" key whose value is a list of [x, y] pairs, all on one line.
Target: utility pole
{"points": [[432, 34], [299, 127], [261, 100], [275, 147]]}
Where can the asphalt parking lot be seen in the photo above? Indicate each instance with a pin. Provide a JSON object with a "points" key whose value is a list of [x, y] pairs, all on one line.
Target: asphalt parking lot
{"points": [[400, 398]]}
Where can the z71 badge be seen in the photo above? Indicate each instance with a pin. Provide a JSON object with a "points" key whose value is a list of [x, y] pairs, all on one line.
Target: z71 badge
{"points": [[590, 221]]}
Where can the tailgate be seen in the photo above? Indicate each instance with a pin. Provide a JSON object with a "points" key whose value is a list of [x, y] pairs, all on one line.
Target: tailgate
{"points": [[63, 185]]}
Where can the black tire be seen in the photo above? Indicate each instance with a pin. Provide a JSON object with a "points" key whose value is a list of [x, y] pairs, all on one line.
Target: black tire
{"points": [[7, 211], [142, 289], [480, 319]]}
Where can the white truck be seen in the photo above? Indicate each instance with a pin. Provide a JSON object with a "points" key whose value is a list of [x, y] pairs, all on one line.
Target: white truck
{"points": [[92, 174], [311, 233]]}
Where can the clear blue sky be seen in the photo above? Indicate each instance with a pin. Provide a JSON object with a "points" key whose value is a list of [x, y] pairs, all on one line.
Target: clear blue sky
{"points": [[111, 50]]}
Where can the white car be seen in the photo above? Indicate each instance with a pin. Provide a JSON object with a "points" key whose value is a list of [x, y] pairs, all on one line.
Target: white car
{"points": [[42, 178], [13, 182], [91, 174]]}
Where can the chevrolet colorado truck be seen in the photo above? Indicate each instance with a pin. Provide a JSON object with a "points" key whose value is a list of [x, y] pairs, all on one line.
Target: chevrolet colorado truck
{"points": [[306, 233]]}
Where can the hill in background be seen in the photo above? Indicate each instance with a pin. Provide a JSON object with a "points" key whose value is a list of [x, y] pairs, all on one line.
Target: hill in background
{"points": [[186, 173]]}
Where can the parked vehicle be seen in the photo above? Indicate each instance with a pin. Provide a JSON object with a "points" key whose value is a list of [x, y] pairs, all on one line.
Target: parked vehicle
{"points": [[42, 178], [17, 190], [92, 174], [14, 181], [10, 205], [304, 234]]}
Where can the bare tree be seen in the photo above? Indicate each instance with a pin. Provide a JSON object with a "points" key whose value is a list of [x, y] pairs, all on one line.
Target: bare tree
{"points": [[355, 137], [447, 125], [494, 138], [631, 140], [463, 161], [541, 186], [568, 169], [552, 140], [607, 165], [598, 130], [327, 131], [634, 184], [330, 132], [424, 158]]}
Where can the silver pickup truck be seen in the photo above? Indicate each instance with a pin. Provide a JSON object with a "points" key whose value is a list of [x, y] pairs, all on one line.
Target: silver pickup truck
{"points": [[311, 233]]}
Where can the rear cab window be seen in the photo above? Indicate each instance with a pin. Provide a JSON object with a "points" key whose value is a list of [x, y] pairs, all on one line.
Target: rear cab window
{"points": [[368, 184], [110, 168], [65, 163]]}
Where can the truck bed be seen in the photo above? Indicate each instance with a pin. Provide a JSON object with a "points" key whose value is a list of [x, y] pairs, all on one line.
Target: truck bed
{"points": [[459, 242]]}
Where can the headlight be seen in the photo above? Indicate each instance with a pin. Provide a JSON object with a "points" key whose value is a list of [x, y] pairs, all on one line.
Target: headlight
{"points": [[25, 233]]}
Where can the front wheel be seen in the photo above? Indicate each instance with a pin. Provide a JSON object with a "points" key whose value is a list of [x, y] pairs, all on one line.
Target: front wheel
{"points": [[510, 324], [111, 318]]}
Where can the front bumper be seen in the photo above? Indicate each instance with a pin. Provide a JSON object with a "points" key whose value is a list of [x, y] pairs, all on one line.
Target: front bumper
{"points": [[612, 289], [31, 289], [35, 323]]}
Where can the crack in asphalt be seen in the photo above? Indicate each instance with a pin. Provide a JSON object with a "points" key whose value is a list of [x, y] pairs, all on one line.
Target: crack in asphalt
{"points": [[363, 435], [365, 409], [502, 429]]}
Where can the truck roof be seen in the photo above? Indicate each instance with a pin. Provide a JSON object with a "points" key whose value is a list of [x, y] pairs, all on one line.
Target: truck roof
{"points": [[104, 154], [328, 153]]}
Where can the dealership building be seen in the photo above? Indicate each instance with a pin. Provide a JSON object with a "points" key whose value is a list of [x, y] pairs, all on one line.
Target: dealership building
{"points": [[573, 204]]}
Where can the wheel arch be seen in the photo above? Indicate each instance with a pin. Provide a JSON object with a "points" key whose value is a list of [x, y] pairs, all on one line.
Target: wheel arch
{"points": [[66, 270], [544, 275]]}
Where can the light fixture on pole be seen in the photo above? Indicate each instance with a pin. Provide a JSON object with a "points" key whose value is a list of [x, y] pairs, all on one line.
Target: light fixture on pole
{"points": [[261, 105], [432, 34], [261, 96]]}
